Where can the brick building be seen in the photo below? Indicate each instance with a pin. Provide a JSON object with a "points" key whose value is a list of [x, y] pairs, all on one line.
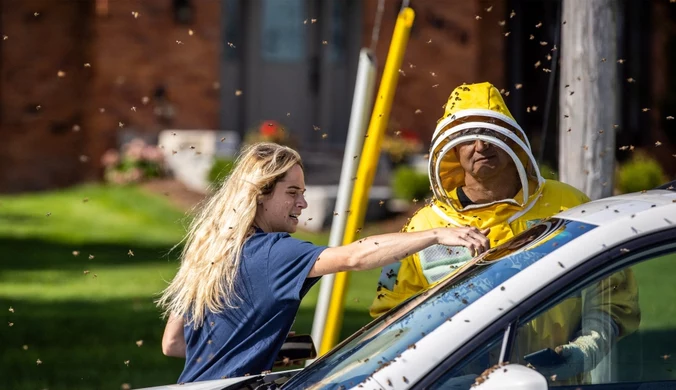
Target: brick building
{"points": [[76, 75]]}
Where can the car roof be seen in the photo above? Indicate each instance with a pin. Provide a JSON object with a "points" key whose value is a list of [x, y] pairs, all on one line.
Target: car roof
{"points": [[609, 210]]}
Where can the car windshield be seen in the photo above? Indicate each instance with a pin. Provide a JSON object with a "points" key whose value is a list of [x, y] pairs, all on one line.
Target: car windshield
{"points": [[388, 336]]}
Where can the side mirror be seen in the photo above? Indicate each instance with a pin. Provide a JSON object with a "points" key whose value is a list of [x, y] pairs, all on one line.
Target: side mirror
{"points": [[295, 350], [510, 377]]}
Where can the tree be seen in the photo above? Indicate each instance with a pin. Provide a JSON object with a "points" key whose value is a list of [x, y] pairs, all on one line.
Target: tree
{"points": [[588, 95]]}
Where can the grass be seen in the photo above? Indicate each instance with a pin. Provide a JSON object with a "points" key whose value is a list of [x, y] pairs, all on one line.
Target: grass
{"points": [[80, 270]]}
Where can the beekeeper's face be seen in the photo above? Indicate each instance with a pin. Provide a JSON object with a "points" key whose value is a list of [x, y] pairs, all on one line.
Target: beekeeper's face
{"points": [[483, 160]]}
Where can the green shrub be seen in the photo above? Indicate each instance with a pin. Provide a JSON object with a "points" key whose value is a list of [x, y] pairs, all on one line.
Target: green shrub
{"points": [[220, 170], [548, 173], [640, 173], [409, 184]]}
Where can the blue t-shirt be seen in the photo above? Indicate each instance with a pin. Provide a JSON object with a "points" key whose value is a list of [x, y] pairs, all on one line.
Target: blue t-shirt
{"points": [[271, 282]]}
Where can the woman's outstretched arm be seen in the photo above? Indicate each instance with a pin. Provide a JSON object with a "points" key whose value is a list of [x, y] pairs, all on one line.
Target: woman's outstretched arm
{"points": [[377, 251]]}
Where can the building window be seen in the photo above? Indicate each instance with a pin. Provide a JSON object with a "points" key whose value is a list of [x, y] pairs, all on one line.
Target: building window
{"points": [[283, 31]]}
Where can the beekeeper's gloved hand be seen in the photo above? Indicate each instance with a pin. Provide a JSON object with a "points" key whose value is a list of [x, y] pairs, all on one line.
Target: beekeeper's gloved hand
{"points": [[584, 353]]}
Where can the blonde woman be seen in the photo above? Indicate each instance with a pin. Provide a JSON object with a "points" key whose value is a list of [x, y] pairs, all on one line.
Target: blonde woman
{"points": [[242, 276]]}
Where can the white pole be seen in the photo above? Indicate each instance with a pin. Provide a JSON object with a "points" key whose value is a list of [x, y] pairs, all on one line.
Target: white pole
{"points": [[586, 118], [362, 103]]}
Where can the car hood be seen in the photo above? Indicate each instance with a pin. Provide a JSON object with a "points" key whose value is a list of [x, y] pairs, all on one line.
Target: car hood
{"points": [[230, 383], [217, 384]]}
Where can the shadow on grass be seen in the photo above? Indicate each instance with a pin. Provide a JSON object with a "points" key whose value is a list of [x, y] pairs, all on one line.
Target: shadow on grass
{"points": [[84, 345], [36, 254], [82, 342], [18, 218]]}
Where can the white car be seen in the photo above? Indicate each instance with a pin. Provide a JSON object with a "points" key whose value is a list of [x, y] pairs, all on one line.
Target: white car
{"points": [[463, 331]]}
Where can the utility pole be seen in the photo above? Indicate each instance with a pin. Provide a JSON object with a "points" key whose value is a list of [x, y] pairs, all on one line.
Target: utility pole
{"points": [[588, 95]]}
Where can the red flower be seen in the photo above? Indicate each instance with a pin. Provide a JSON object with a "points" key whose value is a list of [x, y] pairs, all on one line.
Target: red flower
{"points": [[269, 128], [409, 135]]}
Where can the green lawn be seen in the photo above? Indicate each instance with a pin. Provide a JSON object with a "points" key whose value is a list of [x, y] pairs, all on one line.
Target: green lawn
{"points": [[88, 321]]}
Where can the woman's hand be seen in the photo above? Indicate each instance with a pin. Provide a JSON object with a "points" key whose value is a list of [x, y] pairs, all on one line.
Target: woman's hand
{"points": [[470, 237]]}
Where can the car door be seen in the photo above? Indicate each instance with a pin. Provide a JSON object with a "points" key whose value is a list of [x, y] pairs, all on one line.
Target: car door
{"points": [[626, 299]]}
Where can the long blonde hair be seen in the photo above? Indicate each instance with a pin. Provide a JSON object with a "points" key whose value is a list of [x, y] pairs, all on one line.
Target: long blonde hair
{"points": [[213, 245]]}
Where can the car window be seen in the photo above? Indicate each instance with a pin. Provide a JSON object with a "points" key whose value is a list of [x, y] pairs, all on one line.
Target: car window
{"points": [[463, 375], [616, 327], [387, 337]]}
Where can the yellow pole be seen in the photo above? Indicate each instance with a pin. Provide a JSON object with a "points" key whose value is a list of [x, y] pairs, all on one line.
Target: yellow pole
{"points": [[367, 167]]}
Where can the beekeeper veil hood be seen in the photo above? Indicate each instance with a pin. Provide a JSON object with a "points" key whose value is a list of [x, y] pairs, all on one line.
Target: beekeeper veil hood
{"points": [[478, 112]]}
